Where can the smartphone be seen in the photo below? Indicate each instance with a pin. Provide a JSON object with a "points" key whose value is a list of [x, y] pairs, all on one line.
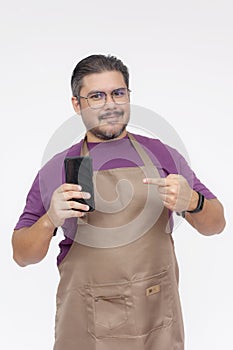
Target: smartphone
{"points": [[79, 170]]}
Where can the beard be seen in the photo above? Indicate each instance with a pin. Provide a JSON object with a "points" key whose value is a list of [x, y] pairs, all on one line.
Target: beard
{"points": [[108, 134], [111, 125]]}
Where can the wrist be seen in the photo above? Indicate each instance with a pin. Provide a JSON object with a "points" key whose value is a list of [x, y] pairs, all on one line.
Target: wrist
{"points": [[197, 203], [194, 201], [49, 225]]}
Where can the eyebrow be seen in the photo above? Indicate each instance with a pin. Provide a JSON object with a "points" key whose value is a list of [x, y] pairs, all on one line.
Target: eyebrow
{"points": [[95, 91]]}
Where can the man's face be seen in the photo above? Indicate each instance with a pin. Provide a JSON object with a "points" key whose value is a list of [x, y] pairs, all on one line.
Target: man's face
{"points": [[109, 121]]}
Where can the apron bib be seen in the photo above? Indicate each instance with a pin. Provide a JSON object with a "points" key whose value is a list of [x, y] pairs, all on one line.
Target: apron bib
{"points": [[118, 285]]}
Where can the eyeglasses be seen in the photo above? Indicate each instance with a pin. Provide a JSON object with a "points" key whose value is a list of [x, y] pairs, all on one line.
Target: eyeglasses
{"points": [[98, 99]]}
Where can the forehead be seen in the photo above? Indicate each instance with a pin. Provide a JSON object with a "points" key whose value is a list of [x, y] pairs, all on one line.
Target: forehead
{"points": [[104, 81]]}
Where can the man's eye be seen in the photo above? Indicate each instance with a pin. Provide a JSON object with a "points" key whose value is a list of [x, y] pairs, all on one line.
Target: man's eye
{"points": [[119, 93], [97, 96]]}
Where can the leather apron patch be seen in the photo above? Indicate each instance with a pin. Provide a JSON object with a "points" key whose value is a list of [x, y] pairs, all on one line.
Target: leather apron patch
{"points": [[153, 290]]}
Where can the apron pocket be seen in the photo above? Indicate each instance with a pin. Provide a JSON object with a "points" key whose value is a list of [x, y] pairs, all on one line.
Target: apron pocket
{"points": [[153, 302], [109, 309], [130, 309]]}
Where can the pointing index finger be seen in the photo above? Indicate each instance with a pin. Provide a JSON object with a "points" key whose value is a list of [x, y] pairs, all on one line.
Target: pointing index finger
{"points": [[155, 181]]}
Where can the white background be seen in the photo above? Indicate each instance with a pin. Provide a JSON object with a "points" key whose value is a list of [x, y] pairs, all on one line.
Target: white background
{"points": [[180, 56]]}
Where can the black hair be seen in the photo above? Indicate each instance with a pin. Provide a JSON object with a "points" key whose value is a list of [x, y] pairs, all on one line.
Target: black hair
{"points": [[96, 64]]}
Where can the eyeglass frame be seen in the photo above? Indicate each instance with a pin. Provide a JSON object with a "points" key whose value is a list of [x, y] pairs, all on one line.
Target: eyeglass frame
{"points": [[106, 94]]}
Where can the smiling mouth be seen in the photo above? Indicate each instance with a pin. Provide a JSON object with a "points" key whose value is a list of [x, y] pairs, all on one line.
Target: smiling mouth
{"points": [[111, 116], [110, 120]]}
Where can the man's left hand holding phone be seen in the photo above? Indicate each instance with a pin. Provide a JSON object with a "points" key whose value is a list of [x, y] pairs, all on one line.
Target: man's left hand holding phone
{"points": [[76, 196]]}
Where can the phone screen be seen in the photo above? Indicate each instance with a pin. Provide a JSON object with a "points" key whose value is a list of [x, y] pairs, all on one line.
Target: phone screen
{"points": [[79, 171]]}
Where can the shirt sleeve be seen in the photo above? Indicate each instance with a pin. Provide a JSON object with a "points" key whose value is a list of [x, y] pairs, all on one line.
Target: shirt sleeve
{"points": [[194, 182], [34, 207], [173, 162], [48, 179]]}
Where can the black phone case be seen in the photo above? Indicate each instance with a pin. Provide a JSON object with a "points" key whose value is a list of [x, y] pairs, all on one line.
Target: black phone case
{"points": [[79, 171]]}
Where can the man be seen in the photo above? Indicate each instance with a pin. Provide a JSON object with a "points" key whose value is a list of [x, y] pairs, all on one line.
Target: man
{"points": [[119, 275]]}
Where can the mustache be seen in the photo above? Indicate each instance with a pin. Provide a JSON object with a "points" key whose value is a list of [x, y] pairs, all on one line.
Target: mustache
{"points": [[111, 114]]}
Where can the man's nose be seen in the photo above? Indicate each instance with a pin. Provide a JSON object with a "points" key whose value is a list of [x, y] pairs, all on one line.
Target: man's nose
{"points": [[109, 100]]}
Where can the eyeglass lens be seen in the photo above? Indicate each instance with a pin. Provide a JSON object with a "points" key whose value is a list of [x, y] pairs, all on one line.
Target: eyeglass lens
{"points": [[99, 98]]}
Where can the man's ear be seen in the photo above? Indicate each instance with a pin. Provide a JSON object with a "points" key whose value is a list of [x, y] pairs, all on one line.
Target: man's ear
{"points": [[76, 105]]}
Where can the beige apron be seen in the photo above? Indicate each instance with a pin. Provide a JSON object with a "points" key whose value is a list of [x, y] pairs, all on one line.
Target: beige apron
{"points": [[119, 294]]}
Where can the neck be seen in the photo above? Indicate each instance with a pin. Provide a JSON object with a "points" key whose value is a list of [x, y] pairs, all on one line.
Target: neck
{"points": [[93, 138]]}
